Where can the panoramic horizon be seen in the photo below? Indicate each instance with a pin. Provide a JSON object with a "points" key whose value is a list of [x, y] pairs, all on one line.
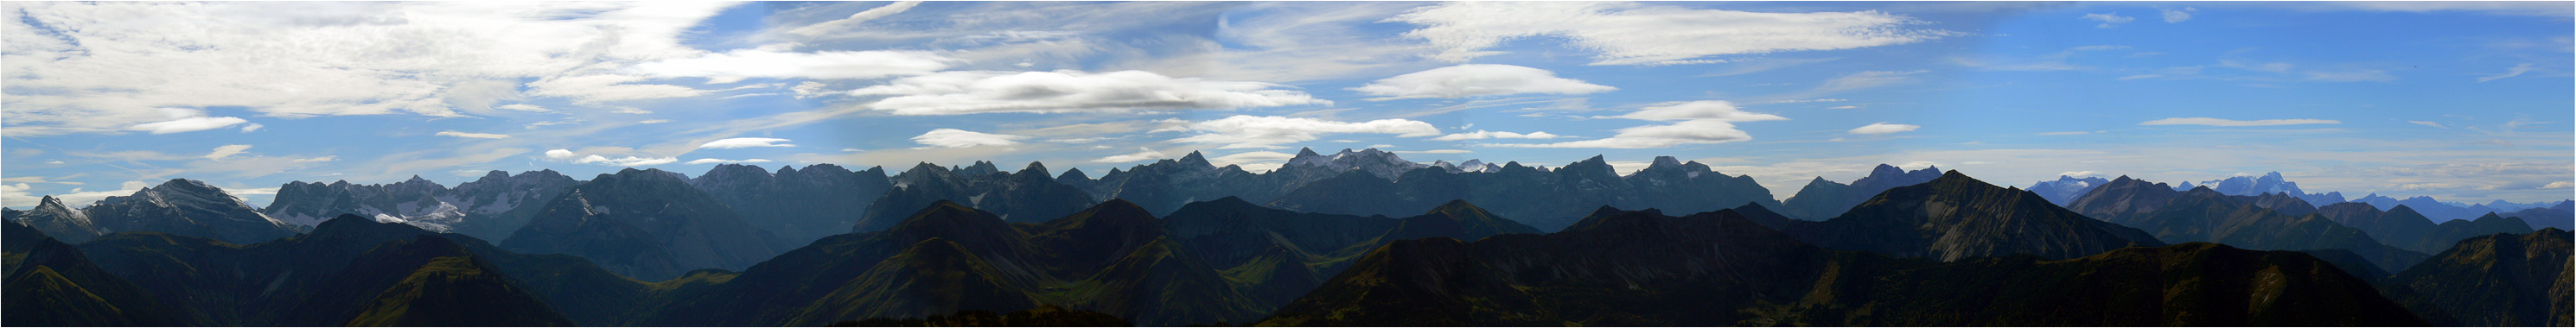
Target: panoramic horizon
{"points": [[1288, 164], [2461, 101]]}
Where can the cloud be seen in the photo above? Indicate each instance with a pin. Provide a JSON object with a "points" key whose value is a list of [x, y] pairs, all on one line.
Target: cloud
{"points": [[652, 121], [1698, 110], [560, 154], [186, 120], [1863, 80], [1481, 134], [1246, 131], [1621, 33], [1067, 91], [474, 135], [2517, 70], [1656, 136], [2228, 122], [2077, 173], [2109, 20], [730, 143], [725, 161], [226, 151], [625, 161], [2429, 123], [75, 67], [1141, 154], [2070, 133], [954, 138], [16, 195], [747, 63], [844, 24], [1472, 80], [2178, 16], [253, 127], [1883, 128], [1435, 151]]}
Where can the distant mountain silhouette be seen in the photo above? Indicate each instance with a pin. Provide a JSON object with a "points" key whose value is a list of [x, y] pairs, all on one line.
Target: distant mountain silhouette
{"points": [[1025, 196], [2204, 215], [647, 224], [2065, 189], [1822, 199], [1547, 200], [797, 205]]}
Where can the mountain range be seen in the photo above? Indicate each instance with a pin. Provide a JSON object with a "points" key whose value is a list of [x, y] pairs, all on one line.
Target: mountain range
{"points": [[1354, 238]]}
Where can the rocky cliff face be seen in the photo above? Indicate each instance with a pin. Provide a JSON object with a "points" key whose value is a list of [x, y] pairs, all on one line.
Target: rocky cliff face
{"points": [[1547, 200], [55, 219], [187, 208], [490, 207], [646, 224]]}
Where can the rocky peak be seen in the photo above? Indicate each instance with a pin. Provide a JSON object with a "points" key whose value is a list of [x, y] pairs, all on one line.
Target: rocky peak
{"points": [[1196, 160], [1665, 161], [981, 168], [1072, 174]]}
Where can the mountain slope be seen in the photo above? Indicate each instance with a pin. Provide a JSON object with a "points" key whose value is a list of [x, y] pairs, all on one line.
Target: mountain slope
{"points": [[490, 207], [47, 283], [2204, 215], [1956, 217], [2497, 280], [328, 277]]}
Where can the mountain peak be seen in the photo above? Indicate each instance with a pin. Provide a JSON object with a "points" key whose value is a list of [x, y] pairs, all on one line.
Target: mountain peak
{"points": [[1662, 161], [1073, 174], [1195, 159], [1039, 168], [1306, 152], [50, 201]]}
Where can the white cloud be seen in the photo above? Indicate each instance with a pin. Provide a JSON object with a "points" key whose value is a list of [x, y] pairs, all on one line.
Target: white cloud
{"points": [[954, 138], [560, 154], [186, 120], [2517, 70], [2228, 122], [2178, 16], [226, 151], [844, 24], [1656, 136], [2078, 174], [737, 64], [1435, 151], [2429, 123], [2109, 20], [2558, 185], [1482, 134], [1255, 161], [524, 108], [313, 59], [730, 143], [1622, 33], [725, 161], [625, 161], [15, 195], [1065, 91], [474, 135], [1472, 80], [1698, 110], [253, 127], [1883, 128], [652, 121], [2069, 133], [1246, 131], [1141, 154]]}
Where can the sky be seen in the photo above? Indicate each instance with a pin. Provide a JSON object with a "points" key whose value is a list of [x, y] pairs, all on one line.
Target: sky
{"points": [[2462, 101]]}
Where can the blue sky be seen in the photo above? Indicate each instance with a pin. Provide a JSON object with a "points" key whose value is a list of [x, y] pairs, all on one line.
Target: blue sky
{"points": [[2464, 101]]}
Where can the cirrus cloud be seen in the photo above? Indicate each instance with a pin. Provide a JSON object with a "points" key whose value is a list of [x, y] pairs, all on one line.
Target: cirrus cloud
{"points": [[1625, 33], [1482, 134], [1246, 131], [1698, 110], [954, 138], [1656, 136], [1883, 128], [1472, 80], [474, 135], [730, 143], [2227, 122], [1068, 91]]}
